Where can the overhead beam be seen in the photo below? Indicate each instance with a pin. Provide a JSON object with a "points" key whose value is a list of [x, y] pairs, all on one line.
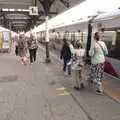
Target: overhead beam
{"points": [[18, 22], [40, 13], [15, 4], [53, 13]]}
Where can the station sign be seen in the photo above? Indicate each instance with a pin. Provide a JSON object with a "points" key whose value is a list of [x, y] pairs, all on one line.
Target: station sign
{"points": [[33, 10]]}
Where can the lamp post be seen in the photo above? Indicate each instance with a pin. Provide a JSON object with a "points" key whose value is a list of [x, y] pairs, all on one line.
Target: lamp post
{"points": [[89, 38], [48, 60], [46, 4], [10, 42]]}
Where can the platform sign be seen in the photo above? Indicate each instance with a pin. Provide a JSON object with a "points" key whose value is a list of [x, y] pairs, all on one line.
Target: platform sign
{"points": [[33, 10], [6, 36]]}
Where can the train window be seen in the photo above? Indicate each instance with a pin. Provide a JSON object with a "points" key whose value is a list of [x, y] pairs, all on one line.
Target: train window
{"points": [[115, 52], [107, 37], [112, 40]]}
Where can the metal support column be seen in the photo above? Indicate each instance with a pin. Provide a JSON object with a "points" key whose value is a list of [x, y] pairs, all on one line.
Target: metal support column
{"points": [[47, 41], [89, 38]]}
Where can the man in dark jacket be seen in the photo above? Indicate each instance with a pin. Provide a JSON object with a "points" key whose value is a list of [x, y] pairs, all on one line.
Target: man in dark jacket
{"points": [[66, 56], [32, 46]]}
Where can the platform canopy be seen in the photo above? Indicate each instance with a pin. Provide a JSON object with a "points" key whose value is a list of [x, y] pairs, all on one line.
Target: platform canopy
{"points": [[14, 14], [4, 29]]}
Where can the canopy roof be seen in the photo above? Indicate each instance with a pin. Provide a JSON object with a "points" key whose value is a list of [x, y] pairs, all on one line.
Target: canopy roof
{"points": [[3, 29], [19, 20]]}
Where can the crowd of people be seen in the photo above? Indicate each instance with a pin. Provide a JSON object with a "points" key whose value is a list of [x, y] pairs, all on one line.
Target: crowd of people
{"points": [[74, 58], [26, 49]]}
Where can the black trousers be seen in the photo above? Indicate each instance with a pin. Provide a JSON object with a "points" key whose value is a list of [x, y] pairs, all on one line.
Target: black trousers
{"points": [[32, 55], [65, 66], [16, 50]]}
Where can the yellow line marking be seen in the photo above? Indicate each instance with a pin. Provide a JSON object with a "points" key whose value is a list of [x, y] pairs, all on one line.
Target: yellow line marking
{"points": [[112, 93], [61, 88], [65, 93]]}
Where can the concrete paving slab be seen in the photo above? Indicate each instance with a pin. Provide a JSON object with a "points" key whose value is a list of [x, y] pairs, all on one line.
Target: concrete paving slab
{"points": [[96, 106]]}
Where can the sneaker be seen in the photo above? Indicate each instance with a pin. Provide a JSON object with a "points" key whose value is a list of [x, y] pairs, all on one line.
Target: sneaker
{"points": [[69, 73], [82, 86], [76, 88], [99, 92], [90, 81], [31, 63]]}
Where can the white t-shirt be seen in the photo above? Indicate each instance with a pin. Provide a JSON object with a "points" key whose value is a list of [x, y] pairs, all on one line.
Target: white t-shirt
{"points": [[97, 51], [80, 52]]}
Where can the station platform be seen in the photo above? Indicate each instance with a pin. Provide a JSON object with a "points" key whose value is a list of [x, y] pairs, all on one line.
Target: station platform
{"points": [[111, 84], [42, 92]]}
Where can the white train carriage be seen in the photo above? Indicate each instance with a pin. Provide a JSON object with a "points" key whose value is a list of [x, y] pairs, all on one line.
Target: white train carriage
{"points": [[110, 24], [83, 29], [4, 40]]}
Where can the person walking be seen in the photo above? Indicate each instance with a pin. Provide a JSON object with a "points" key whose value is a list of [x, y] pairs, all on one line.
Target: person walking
{"points": [[16, 48], [66, 55], [22, 49], [32, 46], [79, 66], [97, 52]]}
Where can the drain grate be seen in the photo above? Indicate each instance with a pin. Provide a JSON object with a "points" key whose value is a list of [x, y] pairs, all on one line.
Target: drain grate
{"points": [[9, 78]]}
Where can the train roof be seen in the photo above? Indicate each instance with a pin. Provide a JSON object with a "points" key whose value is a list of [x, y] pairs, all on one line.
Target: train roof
{"points": [[108, 15], [2, 29], [79, 20], [110, 20]]}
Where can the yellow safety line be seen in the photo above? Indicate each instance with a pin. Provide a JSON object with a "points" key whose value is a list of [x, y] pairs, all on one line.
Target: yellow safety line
{"points": [[62, 88], [112, 93], [65, 93]]}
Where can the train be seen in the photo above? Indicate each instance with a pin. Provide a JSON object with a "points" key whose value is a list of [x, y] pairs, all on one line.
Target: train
{"points": [[83, 29], [5, 40]]}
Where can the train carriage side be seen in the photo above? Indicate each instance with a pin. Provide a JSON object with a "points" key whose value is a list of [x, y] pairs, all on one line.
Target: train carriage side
{"points": [[109, 25], [73, 32]]}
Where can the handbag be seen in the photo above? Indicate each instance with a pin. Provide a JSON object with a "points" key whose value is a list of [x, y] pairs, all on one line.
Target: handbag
{"points": [[108, 68]]}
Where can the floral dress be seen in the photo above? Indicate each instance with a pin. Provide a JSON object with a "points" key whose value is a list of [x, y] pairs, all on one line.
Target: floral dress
{"points": [[78, 62]]}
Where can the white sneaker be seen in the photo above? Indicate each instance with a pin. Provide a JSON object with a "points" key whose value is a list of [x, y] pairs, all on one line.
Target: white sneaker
{"points": [[31, 63]]}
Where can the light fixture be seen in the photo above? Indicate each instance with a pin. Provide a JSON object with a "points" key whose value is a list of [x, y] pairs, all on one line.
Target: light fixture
{"points": [[4, 9]]}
